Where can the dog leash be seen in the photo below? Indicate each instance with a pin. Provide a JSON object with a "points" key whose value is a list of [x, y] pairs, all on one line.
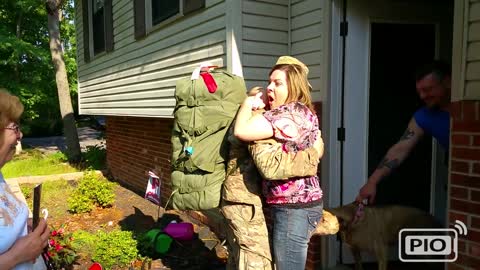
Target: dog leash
{"points": [[358, 213]]}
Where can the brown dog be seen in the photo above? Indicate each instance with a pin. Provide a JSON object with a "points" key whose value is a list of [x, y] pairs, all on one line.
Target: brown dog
{"points": [[377, 228]]}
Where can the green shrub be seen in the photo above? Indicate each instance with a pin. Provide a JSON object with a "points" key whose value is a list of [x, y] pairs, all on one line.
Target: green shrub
{"points": [[92, 190], [79, 203], [95, 156], [84, 242], [58, 157], [115, 248]]}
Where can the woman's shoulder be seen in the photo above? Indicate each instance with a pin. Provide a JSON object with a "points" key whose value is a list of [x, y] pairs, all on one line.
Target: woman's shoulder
{"points": [[294, 115]]}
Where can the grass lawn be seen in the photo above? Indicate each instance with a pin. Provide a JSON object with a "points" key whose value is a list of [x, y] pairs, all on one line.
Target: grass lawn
{"points": [[51, 192], [33, 162]]}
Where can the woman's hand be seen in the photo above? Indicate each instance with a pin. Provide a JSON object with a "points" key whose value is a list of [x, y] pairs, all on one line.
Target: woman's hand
{"points": [[254, 102], [27, 248]]}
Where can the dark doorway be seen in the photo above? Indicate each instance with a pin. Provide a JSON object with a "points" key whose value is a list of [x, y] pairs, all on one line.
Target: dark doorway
{"points": [[396, 51]]}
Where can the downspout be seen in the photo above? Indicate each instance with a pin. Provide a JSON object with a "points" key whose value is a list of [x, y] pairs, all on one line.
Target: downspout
{"points": [[289, 15]]}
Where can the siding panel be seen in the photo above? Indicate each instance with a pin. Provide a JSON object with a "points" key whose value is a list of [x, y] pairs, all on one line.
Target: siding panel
{"points": [[264, 35], [265, 9], [475, 11], [307, 46], [175, 34], [138, 78], [472, 89], [315, 16], [264, 38], [265, 22], [264, 48], [474, 32], [307, 40], [473, 71], [473, 51], [309, 32]]}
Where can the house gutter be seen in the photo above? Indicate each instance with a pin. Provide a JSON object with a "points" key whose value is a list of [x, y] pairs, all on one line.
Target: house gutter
{"points": [[289, 15]]}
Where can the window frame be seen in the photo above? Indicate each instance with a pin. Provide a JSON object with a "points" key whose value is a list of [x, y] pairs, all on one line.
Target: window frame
{"points": [[90, 31], [149, 16], [143, 13], [87, 20]]}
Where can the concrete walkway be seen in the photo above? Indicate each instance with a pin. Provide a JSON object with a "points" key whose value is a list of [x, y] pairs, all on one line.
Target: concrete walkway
{"points": [[13, 184]]}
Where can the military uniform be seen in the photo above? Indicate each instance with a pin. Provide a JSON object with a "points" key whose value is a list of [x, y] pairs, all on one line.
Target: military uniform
{"points": [[247, 233]]}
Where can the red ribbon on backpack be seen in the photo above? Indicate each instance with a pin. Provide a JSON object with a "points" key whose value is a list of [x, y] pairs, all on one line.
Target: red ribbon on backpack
{"points": [[209, 82]]}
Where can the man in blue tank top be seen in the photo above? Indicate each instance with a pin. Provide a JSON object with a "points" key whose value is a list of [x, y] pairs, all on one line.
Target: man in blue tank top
{"points": [[433, 86]]}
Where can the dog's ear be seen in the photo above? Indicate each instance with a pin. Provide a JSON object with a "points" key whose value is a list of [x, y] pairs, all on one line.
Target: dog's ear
{"points": [[345, 212]]}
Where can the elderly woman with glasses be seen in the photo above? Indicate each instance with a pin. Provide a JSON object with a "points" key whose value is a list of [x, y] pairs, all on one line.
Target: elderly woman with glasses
{"points": [[19, 247]]}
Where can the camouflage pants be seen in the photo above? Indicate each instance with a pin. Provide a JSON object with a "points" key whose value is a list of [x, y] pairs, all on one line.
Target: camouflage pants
{"points": [[247, 237]]}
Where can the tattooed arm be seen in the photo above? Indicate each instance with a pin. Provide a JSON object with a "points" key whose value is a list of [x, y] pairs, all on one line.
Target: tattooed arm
{"points": [[394, 157]]}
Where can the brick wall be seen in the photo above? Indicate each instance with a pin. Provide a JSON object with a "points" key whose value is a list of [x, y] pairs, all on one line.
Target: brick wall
{"points": [[136, 144], [465, 181]]}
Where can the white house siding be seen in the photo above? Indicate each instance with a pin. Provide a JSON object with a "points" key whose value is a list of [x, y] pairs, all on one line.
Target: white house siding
{"points": [[307, 41], [265, 31], [138, 77], [472, 77], [466, 51], [272, 28]]}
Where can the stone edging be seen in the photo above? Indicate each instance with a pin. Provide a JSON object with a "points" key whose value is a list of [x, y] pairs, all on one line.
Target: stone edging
{"points": [[42, 178]]}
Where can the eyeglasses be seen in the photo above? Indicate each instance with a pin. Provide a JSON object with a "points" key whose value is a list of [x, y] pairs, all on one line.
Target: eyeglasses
{"points": [[15, 128]]}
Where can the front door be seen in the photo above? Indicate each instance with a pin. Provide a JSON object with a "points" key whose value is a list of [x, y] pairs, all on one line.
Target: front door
{"points": [[386, 41]]}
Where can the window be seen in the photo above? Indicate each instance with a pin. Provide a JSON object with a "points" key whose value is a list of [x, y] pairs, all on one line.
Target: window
{"points": [[151, 14], [97, 22], [98, 26], [162, 10]]}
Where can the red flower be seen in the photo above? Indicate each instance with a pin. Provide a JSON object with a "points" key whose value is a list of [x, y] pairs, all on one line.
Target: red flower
{"points": [[54, 233], [52, 242], [58, 247]]}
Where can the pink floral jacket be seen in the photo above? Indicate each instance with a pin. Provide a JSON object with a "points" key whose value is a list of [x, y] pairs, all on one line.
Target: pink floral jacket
{"points": [[296, 127]]}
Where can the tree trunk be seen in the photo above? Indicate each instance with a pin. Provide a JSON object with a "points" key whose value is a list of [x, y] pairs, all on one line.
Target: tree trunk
{"points": [[66, 109], [18, 34]]}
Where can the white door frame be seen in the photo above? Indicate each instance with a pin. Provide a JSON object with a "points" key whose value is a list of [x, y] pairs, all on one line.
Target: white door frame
{"points": [[331, 245]]}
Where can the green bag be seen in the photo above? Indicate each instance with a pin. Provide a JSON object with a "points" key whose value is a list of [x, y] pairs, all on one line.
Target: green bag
{"points": [[199, 144]]}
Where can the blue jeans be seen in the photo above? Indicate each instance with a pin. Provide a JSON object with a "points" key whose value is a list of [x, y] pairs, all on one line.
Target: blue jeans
{"points": [[292, 229]]}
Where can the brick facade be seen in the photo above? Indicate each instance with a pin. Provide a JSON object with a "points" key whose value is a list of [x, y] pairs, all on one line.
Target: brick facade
{"points": [[464, 192], [137, 144]]}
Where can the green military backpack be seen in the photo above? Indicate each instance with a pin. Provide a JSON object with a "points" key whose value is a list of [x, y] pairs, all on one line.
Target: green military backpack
{"points": [[204, 111]]}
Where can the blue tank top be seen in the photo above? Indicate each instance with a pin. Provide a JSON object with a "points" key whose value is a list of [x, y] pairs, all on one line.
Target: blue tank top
{"points": [[435, 123]]}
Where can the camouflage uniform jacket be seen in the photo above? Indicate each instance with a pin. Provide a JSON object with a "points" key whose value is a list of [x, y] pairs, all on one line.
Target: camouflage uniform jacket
{"points": [[243, 181]]}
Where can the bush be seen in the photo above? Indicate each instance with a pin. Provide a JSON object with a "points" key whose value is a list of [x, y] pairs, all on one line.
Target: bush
{"points": [[92, 190], [95, 156], [116, 248], [84, 242], [57, 157]]}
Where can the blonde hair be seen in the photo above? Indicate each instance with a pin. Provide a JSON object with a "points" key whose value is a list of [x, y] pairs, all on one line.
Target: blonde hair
{"points": [[297, 83], [10, 110]]}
